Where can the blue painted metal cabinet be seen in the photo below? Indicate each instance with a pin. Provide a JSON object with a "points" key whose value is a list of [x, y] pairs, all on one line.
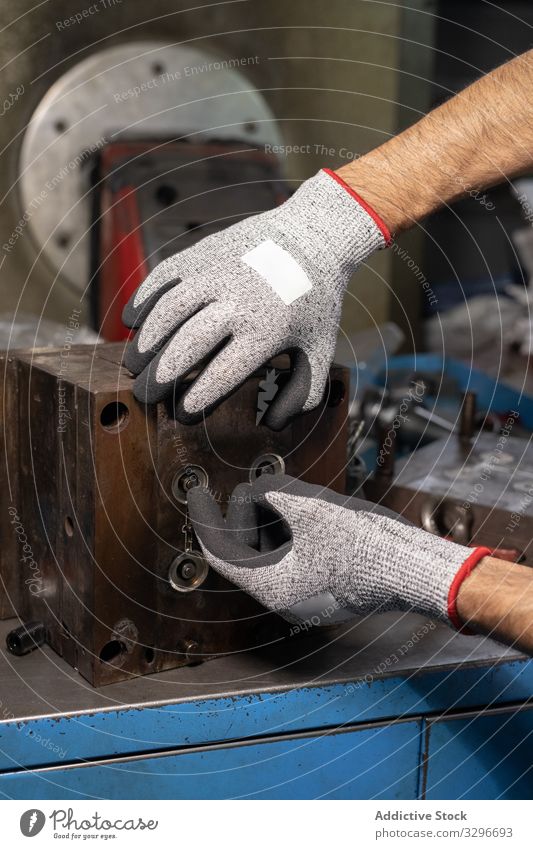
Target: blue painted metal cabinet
{"points": [[452, 721], [380, 761], [480, 756]]}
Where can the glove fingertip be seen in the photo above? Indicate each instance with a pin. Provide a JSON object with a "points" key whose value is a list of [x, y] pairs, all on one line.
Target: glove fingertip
{"points": [[190, 416], [277, 419], [133, 360], [203, 509], [133, 316], [198, 494], [293, 396], [147, 390]]}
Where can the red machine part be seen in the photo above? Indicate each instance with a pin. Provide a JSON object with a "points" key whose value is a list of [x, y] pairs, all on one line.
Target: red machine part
{"points": [[123, 264], [158, 198]]}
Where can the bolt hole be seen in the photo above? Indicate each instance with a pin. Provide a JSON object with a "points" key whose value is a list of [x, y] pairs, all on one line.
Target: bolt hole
{"points": [[266, 464], [250, 127], [14, 643], [69, 526], [112, 650], [166, 194], [60, 125], [265, 469], [63, 240], [158, 68], [149, 654], [114, 416], [337, 392]]}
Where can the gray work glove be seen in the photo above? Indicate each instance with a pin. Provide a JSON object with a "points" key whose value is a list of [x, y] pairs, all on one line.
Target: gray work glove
{"points": [[270, 284], [341, 556]]}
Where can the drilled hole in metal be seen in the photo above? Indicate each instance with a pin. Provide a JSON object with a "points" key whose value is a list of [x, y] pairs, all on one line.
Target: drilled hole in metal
{"points": [[63, 240], [114, 416], [165, 194], [337, 393], [112, 650], [266, 464]]}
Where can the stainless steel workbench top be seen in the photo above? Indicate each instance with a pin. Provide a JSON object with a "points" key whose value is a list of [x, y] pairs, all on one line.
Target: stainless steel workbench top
{"points": [[42, 684]]}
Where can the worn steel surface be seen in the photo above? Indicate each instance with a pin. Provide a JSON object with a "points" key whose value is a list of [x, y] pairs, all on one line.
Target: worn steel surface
{"points": [[96, 497]]}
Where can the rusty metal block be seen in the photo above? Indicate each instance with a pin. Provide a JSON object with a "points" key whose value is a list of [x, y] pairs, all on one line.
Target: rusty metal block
{"points": [[100, 492]]}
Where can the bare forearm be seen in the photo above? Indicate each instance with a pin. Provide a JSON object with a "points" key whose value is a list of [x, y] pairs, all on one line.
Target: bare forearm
{"points": [[480, 137], [497, 599]]}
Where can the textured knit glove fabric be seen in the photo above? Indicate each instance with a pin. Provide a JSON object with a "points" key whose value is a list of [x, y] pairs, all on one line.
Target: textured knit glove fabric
{"points": [[270, 284], [344, 556]]}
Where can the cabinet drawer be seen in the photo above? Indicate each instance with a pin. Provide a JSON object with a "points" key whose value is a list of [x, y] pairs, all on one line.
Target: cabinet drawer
{"points": [[480, 756], [377, 761]]}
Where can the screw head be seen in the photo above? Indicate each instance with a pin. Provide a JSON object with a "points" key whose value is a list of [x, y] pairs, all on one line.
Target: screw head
{"points": [[188, 570], [187, 479], [191, 650]]}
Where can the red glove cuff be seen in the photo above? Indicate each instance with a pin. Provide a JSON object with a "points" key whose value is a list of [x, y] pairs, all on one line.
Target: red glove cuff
{"points": [[470, 563], [377, 220]]}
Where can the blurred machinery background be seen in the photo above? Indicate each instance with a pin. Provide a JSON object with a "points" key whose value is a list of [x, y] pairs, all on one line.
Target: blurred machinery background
{"points": [[271, 76], [257, 73]]}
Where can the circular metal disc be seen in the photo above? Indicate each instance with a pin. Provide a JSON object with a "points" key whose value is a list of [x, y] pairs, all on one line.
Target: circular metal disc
{"points": [[188, 572], [140, 90]]}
